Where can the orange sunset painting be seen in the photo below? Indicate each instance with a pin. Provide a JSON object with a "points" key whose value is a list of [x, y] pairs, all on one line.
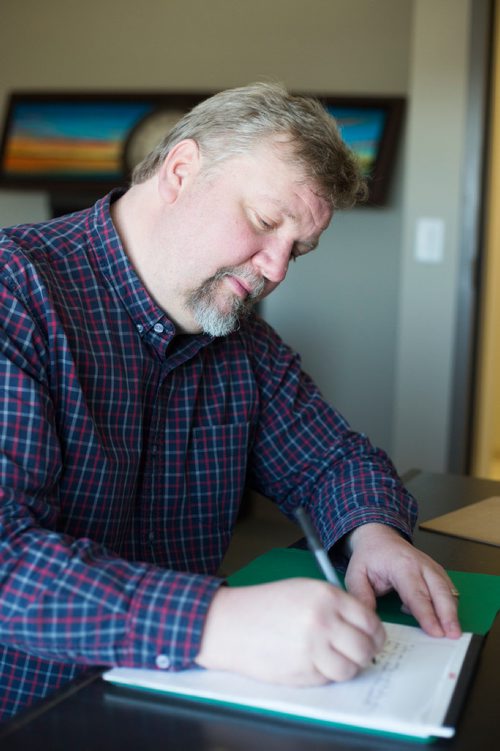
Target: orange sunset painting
{"points": [[66, 140], [51, 138]]}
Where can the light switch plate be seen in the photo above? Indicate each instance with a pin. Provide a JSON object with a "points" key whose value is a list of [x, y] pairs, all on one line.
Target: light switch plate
{"points": [[429, 240]]}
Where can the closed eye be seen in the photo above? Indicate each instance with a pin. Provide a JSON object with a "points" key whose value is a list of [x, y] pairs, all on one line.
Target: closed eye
{"points": [[264, 224]]}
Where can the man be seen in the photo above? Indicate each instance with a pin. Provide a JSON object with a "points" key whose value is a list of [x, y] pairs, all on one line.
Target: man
{"points": [[140, 395]]}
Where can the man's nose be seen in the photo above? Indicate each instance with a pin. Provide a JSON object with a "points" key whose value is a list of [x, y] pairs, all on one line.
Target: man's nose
{"points": [[272, 261]]}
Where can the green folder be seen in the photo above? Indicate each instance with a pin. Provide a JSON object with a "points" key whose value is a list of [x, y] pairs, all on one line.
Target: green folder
{"points": [[478, 605], [479, 599]]}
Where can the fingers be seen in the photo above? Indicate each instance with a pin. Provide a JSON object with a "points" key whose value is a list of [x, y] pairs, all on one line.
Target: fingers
{"points": [[427, 593], [359, 586], [432, 602], [297, 631], [445, 603], [382, 560], [355, 614], [347, 639], [347, 650]]}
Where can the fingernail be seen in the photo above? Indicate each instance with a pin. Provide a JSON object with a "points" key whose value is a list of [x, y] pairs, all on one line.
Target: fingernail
{"points": [[453, 630]]}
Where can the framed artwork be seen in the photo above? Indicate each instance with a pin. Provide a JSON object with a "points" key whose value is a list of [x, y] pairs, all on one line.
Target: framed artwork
{"points": [[81, 142], [371, 127], [90, 142]]}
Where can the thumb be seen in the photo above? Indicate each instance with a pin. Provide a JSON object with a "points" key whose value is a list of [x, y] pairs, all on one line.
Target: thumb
{"points": [[359, 586]]}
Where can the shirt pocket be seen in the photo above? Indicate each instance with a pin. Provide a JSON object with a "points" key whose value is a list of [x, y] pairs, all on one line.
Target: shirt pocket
{"points": [[217, 463], [216, 469]]}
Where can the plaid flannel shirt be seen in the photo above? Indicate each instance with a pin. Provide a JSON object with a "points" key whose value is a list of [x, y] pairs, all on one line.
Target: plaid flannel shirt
{"points": [[124, 453]]}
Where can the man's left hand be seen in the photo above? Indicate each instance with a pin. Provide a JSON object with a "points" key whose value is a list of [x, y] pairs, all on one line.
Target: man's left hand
{"points": [[382, 560]]}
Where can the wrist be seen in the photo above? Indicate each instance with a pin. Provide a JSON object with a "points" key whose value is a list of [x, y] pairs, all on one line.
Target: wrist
{"points": [[368, 532]]}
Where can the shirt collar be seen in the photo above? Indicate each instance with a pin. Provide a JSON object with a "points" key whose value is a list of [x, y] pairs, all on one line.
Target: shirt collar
{"points": [[120, 274]]}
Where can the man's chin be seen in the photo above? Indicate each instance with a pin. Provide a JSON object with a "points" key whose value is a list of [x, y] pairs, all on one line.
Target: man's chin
{"points": [[221, 314], [221, 327], [220, 323]]}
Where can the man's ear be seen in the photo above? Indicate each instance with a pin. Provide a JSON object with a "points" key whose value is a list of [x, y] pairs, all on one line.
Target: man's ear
{"points": [[180, 167]]}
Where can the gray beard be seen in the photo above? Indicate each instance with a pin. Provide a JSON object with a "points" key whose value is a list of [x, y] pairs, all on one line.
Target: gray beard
{"points": [[202, 303]]}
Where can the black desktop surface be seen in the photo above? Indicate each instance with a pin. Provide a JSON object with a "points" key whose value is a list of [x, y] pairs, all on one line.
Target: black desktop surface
{"points": [[92, 715]]}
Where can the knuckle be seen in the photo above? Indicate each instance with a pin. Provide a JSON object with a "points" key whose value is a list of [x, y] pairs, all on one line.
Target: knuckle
{"points": [[346, 671], [365, 650]]}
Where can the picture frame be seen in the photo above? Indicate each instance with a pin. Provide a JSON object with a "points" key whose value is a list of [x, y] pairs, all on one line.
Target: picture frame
{"points": [[372, 128], [87, 142]]}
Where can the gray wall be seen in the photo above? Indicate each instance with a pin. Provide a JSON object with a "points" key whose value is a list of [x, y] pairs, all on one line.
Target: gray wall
{"points": [[321, 45], [387, 322], [434, 187], [339, 309], [342, 307]]}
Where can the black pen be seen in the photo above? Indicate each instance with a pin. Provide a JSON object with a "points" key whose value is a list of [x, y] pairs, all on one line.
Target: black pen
{"points": [[316, 547]]}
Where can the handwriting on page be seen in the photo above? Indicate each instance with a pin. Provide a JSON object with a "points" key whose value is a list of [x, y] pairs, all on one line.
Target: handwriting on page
{"points": [[388, 663], [407, 691]]}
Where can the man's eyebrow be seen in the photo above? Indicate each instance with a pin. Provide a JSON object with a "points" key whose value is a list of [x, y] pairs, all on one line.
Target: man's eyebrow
{"points": [[313, 244], [281, 206]]}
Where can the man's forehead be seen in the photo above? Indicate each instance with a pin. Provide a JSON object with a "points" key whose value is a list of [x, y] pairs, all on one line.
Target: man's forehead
{"points": [[318, 206], [282, 181], [281, 206]]}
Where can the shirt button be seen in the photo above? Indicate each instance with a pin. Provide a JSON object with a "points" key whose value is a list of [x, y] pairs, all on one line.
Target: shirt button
{"points": [[162, 662], [159, 328], [140, 328]]}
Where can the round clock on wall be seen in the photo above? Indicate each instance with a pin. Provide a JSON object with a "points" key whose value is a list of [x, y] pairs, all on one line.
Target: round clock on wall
{"points": [[147, 133]]}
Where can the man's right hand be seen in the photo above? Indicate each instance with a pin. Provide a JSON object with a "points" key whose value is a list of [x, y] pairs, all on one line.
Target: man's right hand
{"points": [[298, 632]]}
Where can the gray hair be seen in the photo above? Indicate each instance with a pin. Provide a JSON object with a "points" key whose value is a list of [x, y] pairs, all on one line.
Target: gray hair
{"points": [[234, 121]]}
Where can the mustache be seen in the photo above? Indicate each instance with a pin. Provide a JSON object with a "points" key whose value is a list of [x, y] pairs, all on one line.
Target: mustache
{"points": [[256, 283]]}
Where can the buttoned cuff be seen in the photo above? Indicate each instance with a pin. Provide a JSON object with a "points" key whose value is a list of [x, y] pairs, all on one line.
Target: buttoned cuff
{"points": [[166, 620]]}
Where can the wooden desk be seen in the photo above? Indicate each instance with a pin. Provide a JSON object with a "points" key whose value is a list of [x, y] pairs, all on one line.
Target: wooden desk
{"points": [[95, 716]]}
